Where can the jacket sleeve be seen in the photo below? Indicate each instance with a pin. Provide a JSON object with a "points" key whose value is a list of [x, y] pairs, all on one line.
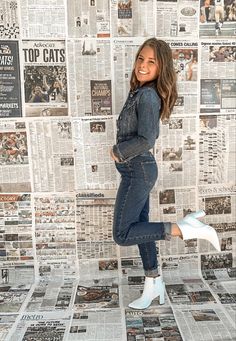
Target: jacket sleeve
{"points": [[148, 112]]}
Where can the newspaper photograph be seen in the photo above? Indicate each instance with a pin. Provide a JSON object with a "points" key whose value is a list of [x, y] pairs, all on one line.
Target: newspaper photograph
{"points": [[97, 294], [10, 96], [177, 18], [217, 18], [14, 159], [45, 77], [43, 20], [52, 155], [132, 18], [94, 167], [9, 19], [90, 87], [89, 19], [96, 325], [94, 216]]}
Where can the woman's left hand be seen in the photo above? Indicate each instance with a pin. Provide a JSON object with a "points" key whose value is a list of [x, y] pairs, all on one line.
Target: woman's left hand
{"points": [[113, 156]]}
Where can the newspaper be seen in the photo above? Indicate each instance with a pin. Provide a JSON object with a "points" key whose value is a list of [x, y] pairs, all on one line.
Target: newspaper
{"points": [[89, 18], [42, 326], [90, 86], [52, 155], [14, 159], [94, 167], [6, 322], [45, 77], [10, 97], [177, 18], [9, 20], [207, 19], [55, 228], [94, 214], [44, 19], [152, 324], [96, 325], [132, 18]]}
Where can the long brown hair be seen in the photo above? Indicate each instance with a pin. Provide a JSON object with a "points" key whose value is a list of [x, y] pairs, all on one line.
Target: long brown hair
{"points": [[166, 80]]}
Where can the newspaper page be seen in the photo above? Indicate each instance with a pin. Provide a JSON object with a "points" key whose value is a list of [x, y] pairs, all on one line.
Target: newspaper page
{"points": [[217, 147], [42, 326], [157, 323], [177, 18], [96, 325], [205, 323], [94, 167], [45, 77], [55, 228], [10, 95], [14, 159], [6, 323], [89, 18], [176, 152], [9, 20], [44, 19], [94, 214], [219, 202], [52, 155], [90, 86], [217, 18], [132, 18]]}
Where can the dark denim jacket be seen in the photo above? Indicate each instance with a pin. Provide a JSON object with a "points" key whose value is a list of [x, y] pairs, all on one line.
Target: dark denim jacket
{"points": [[138, 123]]}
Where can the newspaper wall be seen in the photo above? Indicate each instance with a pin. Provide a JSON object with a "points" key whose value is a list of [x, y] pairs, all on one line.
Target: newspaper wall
{"points": [[65, 67]]}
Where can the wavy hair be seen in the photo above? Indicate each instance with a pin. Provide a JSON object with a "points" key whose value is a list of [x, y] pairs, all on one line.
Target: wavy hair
{"points": [[166, 80]]}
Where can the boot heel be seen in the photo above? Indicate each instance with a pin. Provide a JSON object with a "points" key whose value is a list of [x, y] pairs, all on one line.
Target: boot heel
{"points": [[162, 295]]}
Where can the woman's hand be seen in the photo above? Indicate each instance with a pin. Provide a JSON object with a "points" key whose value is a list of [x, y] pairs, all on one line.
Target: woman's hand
{"points": [[113, 156]]}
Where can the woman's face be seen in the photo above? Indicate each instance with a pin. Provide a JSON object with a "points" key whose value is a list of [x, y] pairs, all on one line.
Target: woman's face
{"points": [[146, 66]]}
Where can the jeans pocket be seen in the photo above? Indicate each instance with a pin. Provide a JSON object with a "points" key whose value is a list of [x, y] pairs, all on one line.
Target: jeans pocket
{"points": [[150, 172]]}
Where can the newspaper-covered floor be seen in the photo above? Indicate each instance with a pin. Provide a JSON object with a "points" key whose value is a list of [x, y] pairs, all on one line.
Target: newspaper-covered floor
{"points": [[90, 302]]}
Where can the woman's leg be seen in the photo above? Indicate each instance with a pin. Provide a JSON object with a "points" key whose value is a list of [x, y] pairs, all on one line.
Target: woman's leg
{"points": [[137, 180], [147, 250]]}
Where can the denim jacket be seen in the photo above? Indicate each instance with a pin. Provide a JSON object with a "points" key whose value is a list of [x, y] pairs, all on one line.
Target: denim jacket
{"points": [[138, 123]]}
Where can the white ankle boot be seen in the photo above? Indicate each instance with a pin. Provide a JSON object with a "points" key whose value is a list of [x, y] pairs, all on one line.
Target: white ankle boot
{"points": [[153, 287], [192, 228]]}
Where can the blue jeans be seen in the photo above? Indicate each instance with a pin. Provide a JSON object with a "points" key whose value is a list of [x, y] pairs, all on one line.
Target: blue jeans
{"points": [[131, 215]]}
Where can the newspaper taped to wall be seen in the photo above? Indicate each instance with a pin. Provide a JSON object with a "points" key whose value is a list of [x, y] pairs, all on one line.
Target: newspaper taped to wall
{"points": [[94, 167], [44, 19], [45, 77], [132, 18], [55, 228], [91, 92], [89, 18], [94, 214], [10, 96], [176, 18], [14, 159], [9, 19], [16, 230], [52, 155]]}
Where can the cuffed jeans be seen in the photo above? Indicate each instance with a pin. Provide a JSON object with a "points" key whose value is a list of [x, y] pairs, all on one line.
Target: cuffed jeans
{"points": [[131, 215]]}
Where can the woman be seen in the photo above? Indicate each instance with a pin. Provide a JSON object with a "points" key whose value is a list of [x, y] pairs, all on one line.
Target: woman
{"points": [[152, 97]]}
